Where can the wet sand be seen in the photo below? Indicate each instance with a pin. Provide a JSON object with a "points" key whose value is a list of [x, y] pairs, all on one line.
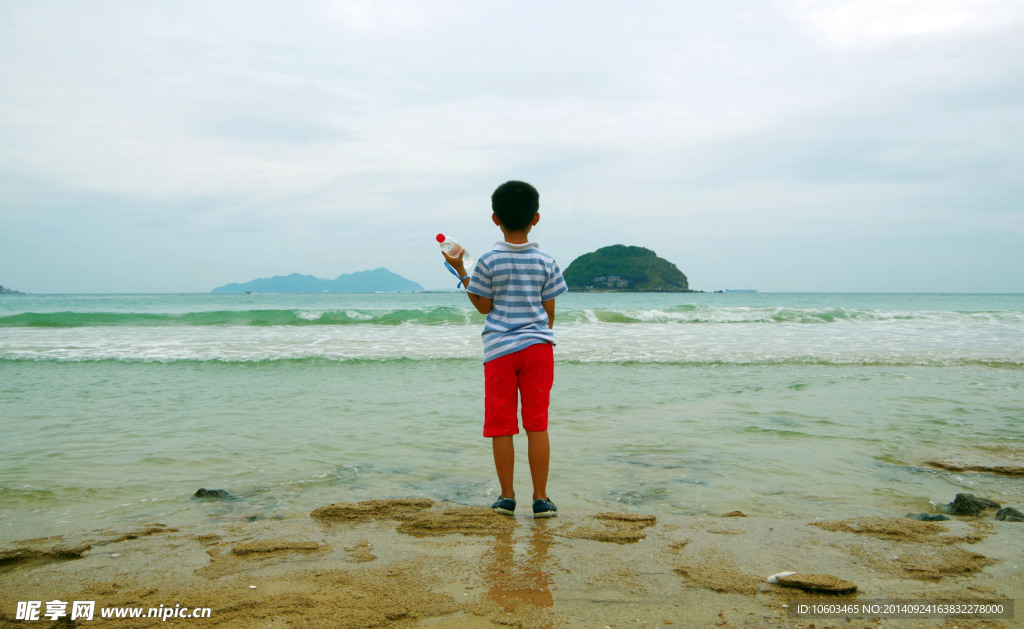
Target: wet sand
{"points": [[417, 563]]}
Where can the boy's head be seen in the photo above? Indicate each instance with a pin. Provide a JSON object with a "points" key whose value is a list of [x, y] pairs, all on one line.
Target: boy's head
{"points": [[515, 203]]}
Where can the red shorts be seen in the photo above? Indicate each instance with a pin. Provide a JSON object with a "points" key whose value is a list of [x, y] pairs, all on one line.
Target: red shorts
{"points": [[530, 372]]}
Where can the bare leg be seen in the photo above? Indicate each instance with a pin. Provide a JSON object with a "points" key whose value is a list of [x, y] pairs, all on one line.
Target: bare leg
{"points": [[540, 455], [504, 463]]}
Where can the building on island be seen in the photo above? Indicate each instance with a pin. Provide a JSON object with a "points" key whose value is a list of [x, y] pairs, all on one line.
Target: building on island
{"points": [[611, 281]]}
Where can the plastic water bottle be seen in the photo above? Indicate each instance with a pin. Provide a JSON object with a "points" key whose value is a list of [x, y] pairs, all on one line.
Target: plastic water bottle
{"points": [[452, 248]]}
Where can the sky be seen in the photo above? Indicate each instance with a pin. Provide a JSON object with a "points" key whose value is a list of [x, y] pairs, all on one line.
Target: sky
{"points": [[790, 145]]}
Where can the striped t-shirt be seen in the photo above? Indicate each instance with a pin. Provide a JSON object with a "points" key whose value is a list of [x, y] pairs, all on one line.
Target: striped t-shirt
{"points": [[518, 278]]}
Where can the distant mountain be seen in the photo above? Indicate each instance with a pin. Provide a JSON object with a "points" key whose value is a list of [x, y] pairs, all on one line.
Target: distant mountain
{"points": [[624, 268], [376, 281], [9, 291]]}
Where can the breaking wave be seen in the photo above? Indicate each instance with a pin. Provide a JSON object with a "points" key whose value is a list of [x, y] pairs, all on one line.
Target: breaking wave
{"points": [[465, 316]]}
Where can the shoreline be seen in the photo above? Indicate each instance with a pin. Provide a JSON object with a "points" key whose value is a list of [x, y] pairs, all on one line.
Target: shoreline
{"points": [[420, 563]]}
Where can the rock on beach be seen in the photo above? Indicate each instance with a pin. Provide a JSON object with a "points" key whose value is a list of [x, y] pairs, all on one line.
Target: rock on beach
{"points": [[823, 583], [928, 517], [212, 494], [1009, 514], [969, 504]]}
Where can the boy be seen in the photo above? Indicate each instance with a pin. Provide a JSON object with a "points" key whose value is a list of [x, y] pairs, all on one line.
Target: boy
{"points": [[515, 285]]}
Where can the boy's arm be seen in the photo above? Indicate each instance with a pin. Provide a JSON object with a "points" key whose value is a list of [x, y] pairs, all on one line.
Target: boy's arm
{"points": [[549, 307], [482, 304]]}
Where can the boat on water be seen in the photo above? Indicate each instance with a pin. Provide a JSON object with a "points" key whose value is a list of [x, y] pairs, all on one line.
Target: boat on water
{"points": [[741, 290]]}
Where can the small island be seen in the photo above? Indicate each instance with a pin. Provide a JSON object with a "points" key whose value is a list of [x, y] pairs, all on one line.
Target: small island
{"points": [[378, 280], [625, 268], [9, 291]]}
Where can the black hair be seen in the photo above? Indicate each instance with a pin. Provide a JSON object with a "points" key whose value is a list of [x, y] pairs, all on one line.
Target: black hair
{"points": [[515, 203]]}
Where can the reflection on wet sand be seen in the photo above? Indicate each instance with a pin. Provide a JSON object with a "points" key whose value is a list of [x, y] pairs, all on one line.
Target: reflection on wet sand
{"points": [[527, 581]]}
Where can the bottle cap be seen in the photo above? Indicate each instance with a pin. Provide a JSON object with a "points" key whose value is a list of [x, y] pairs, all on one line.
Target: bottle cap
{"points": [[440, 238]]}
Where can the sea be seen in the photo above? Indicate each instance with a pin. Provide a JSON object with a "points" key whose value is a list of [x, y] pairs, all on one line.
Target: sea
{"points": [[116, 409]]}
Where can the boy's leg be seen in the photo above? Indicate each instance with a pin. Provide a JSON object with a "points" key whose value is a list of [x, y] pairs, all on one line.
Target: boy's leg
{"points": [[535, 381], [504, 463], [501, 399], [540, 456]]}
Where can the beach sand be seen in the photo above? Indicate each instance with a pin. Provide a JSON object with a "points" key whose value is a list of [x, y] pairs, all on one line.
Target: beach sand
{"points": [[417, 563]]}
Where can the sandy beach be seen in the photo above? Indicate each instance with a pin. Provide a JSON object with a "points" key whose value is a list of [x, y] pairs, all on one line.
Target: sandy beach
{"points": [[824, 418], [419, 563]]}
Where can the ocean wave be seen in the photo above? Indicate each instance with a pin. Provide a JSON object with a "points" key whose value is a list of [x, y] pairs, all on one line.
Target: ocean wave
{"points": [[739, 315], [808, 361], [255, 318], [445, 315]]}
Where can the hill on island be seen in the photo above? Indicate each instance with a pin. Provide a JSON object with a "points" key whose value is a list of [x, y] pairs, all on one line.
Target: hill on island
{"points": [[625, 268], [376, 281]]}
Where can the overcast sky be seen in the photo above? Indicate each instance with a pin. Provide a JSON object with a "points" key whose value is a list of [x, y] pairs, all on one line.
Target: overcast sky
{"points": [[796, 145]]}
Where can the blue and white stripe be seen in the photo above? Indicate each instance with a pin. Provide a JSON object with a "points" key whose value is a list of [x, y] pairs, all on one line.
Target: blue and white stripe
{"points": [[518, 278]]}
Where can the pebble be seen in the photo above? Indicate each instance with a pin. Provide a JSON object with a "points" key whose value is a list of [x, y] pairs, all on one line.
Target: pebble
{"points": [[775, 577]]}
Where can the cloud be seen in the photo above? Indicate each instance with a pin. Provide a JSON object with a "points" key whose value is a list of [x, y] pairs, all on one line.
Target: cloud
{"points": [[258, 139], [864, 24]]}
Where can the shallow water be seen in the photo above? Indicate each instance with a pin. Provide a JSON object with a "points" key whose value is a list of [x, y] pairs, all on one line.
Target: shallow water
{"points": [[116, 409]]}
